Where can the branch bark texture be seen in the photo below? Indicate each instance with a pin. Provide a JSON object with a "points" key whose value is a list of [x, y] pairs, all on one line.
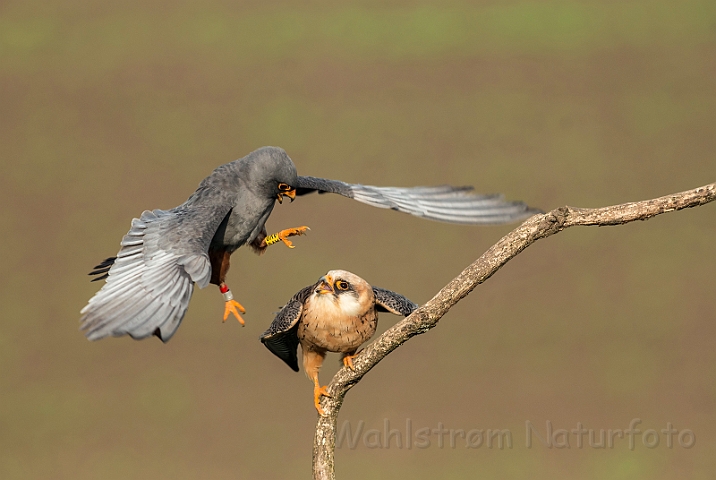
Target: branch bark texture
{"points": [[427, 316]]}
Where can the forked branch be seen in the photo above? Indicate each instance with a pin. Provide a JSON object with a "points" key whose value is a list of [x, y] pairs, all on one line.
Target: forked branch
{"points": [[428, 315]]}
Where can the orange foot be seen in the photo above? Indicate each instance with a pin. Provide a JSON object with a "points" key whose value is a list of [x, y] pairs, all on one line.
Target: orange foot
{"points": [[348, 360], [317, 392], [231, 308], [283, 235]]}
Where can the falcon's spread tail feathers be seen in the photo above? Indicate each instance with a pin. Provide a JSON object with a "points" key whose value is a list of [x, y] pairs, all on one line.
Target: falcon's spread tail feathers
{"points": [[443, 203]]}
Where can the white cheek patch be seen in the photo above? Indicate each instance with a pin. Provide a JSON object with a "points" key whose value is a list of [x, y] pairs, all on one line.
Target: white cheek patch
{"points": [[349, 305]]}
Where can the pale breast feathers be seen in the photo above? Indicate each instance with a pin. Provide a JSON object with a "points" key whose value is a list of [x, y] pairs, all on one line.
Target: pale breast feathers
{"points": [[337, 324]]}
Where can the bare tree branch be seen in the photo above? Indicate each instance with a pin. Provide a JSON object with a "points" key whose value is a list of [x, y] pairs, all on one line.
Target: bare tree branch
{"points": [[428, 315]]}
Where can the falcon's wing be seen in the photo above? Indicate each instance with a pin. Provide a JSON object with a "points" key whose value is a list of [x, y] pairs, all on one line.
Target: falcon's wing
{"points": [[443, 203], [151, 280], [281, 337], [387, 301]]}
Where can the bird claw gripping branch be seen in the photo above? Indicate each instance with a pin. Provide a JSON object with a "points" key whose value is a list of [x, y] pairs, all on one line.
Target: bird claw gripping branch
{"points": [[319, 392]]}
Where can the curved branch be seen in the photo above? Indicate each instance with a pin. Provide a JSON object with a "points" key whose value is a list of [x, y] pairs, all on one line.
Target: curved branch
{"points": [[428, 315]]}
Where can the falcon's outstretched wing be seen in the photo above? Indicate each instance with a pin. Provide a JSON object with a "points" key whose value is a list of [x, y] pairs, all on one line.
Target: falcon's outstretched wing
{"points": [[151, 280], [443, 203], [395, 303], [281, 337]]}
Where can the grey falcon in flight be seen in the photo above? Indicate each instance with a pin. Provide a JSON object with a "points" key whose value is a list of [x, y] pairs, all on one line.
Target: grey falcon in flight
{"points": [[337, 314], [150, 281]]}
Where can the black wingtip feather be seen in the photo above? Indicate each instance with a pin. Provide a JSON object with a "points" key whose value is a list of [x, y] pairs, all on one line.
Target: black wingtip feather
{"points": [[102, 269], [107, 262], [158, 333]]}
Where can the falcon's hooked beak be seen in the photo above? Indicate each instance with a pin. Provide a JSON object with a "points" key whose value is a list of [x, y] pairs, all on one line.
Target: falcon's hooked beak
{"points": [[289, 193], [326, 285]]}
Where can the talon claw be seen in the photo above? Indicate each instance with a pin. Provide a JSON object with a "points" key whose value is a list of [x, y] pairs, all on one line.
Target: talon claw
{"points": [[348, 360], [284, 234], [291, 232], [317, 393], [234, 307]]}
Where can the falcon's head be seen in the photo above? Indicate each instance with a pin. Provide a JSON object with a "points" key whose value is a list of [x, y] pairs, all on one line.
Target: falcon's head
{"points": [[345, 291], [272, 174]]}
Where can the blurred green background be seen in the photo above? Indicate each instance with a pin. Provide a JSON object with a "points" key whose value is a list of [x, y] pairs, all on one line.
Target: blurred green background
{"points": [[110, 108]]}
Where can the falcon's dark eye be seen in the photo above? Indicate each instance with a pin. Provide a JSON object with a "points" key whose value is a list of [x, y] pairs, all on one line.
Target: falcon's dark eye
{"points": [[341, 285], [283, 187]]}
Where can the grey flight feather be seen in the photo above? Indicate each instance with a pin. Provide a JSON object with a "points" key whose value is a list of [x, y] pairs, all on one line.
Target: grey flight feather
{"points": [[150, 283], [442, 203]]}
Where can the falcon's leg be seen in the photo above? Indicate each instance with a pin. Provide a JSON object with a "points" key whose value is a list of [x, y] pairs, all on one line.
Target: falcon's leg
{"points": [[282, 236], [348, 359], [258, 244], [231, 305], [312, 361], [220, 262]]}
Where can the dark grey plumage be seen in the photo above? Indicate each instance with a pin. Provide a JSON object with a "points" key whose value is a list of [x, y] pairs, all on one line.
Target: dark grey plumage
{"points": [[150, 281]]}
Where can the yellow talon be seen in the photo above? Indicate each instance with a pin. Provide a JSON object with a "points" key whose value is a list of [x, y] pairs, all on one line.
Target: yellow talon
{"points": [[234, 307], [317, 392], [283, 235]]}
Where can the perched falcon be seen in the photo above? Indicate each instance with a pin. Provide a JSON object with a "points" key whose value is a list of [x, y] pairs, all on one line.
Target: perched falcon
{"points": [[150, 281], [337, 314]]}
